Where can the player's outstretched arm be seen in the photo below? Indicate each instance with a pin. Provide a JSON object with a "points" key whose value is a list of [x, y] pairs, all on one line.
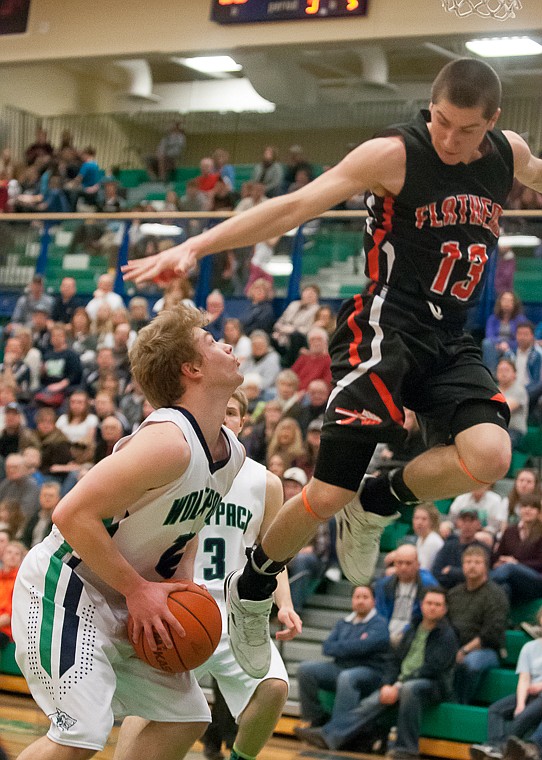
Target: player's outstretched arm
{"points": [[274, 497], [157, 455], [527, 168], [377, 164]]}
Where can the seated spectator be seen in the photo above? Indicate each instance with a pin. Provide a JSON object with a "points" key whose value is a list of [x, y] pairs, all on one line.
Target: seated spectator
{"points": [[528, 361], [32, 461], [312, 446], [261, 315], [223, 166], [478, 611], [168, 154], [66, 302], [81, 339], [104, 406], [104, 294], [517, 561], [359, 646], [131, 405], [269, 172], [208, 177], [11, 519], [15, 436], [233, 334], [12, 558], [214, 307], [398, 595], [317, 396], [252, 388], [526, 483], [18, 486], [78, 424], [14, 369], [40, 331], [302, 178], [286, 392], [487, 504], [518, 714], [93, 375], [263, 359], [425, 523], [516, 397], [30, 355], [501, 329], [40, 523], [326, 319], [61, 372], [55, 447], [54, 200], [110, 201], [287, 441], [419, 675], [448, 565], [291, 328], [252, 194], [193, 200], [314, 364], [111, 432], [295, 161], [277, 465], [138, 309], [5, 538], [41, 147], [256, 437], [310, 563], [35, 297], [86, 185], [7, 396]]}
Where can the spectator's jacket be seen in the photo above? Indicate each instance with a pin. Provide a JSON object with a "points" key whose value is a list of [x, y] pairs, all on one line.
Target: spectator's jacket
{"points": [[528, 553], [479, 612], [7, 582], [439, 657], [450, 555], [354, 644], [28, 532], [534, 372], [493, 325], [385, 593], [261, 316]]}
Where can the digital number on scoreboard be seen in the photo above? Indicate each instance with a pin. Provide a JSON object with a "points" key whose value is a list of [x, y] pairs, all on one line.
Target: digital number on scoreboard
{"points": [[252, 11]]}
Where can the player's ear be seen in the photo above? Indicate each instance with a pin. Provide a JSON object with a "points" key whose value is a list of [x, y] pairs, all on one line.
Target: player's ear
{"points": [[191, 370], [494, 118]]}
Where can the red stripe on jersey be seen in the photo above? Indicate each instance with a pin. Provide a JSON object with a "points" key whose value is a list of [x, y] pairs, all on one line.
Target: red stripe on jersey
{"points": [[395, 413], [498, 397], [356, 331], [373, 255]]}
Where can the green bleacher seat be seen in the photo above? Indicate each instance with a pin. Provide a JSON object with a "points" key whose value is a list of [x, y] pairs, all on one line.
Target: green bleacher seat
{"points": [[348, 291], [460, 723], [496, 684], [132, 177], [528, 286], [519, 461], [392, 535], [7, 661], [532, 442], [184, 173], [156, 196], [526, 264], [514, 641], [525, 612], [443, 505]]}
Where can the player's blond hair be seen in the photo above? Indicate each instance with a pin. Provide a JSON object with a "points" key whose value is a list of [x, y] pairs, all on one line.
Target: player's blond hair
{"points": [[161, 348]]}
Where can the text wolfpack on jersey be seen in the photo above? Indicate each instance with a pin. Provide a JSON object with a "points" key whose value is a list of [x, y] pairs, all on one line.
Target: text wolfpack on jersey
{"points": [[460, 209]]}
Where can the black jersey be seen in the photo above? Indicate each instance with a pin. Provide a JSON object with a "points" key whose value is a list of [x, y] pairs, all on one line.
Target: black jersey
{"points": [[429, 245]]}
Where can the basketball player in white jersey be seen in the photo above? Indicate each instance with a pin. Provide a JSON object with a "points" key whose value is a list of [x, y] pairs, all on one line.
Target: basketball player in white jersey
{"points": [[129, 524], [238, 523]]}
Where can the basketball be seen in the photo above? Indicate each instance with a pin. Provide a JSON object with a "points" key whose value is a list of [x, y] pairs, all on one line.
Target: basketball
{"points": [[199, 615]]}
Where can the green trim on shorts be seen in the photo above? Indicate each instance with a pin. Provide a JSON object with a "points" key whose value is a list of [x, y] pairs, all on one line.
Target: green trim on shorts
{"points": [[47, 621]]}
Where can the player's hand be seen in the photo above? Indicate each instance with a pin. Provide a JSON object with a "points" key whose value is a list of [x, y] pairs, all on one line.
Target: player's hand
{"points": [[163, 267], [291, 622], [147, 605]]}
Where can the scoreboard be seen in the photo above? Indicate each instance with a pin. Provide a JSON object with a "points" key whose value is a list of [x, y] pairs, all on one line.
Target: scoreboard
{"points": [[252, 11]]}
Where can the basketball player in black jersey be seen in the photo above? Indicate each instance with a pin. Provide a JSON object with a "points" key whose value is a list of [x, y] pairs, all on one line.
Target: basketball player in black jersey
{"points": [[435, 191]]}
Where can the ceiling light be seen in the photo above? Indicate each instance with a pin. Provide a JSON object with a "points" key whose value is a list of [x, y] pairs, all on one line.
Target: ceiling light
{"points": [[502, 47], [211, 64]]}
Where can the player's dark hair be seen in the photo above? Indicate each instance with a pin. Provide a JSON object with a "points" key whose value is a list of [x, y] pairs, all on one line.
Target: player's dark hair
{"points": [[468, 83], [433, 590]]}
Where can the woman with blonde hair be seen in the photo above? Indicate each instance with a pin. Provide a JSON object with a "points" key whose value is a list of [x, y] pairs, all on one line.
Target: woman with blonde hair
{"points": [[287, 440], [425, 523]]}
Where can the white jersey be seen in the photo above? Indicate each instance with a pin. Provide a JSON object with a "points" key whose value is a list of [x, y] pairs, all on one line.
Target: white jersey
{"points": [[230, 530]]}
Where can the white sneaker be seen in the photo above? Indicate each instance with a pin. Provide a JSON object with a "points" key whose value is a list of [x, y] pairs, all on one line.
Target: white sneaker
{"points": [[248, 628], [358, 540]]}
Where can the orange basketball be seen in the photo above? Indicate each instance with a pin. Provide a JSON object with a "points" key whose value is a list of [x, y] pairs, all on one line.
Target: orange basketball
{"points": [[199, 615]]}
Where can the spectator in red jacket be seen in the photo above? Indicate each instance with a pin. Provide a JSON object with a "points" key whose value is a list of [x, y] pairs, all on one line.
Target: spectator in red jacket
{"points": [[14, 554], [315, 363]]}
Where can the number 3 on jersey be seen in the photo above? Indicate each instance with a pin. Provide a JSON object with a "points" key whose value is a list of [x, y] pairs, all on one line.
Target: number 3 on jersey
{"points": [[216, 547], [462, 290]]}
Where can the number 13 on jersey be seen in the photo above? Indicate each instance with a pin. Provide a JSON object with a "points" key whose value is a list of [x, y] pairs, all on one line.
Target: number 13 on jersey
{"points": [[462, 290]]}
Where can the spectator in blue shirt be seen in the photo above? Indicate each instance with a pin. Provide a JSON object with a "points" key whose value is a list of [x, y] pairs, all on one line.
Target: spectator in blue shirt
{"points": [[359, 645], [87, 183]]}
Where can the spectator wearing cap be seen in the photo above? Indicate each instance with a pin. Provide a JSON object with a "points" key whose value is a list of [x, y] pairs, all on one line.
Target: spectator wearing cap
{"points": [[447, 567], [34, 297], [16, 436], [398, 595], [310, 563], [478, 611], [18, 486], [488, 505]]}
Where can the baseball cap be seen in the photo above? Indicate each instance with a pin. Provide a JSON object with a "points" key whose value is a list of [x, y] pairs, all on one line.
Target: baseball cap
{"points": [[41, 308], [469, 512], [13, 406], [316, 424], [296, 474]]}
